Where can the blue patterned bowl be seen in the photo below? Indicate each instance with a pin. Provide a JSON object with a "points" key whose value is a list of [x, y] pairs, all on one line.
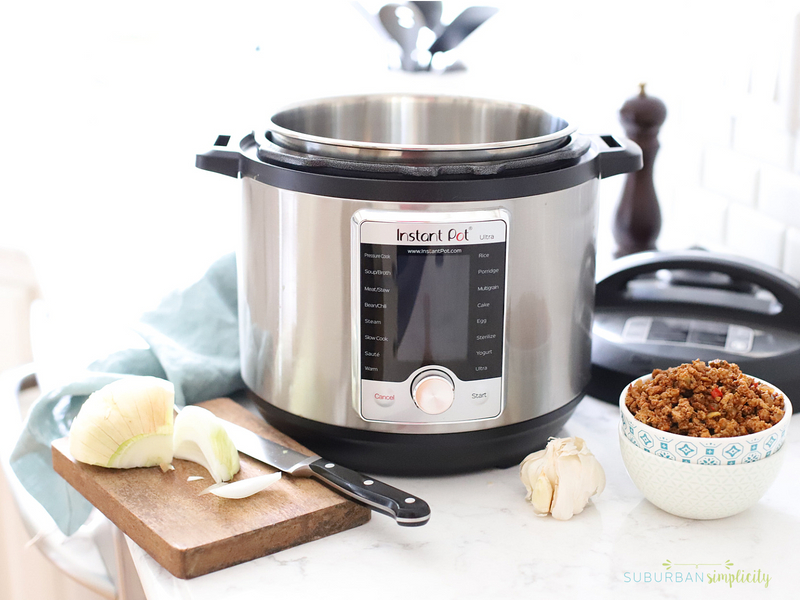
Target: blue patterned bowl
{"points": [[704, 451], [698, 491]]}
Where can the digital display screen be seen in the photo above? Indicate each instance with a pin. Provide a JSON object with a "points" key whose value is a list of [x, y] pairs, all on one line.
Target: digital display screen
{"points": [[433, 307], [423, 305]]}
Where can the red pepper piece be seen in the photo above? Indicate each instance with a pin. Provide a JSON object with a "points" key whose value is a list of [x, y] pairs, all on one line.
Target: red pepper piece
{"points": [[716, 392]]}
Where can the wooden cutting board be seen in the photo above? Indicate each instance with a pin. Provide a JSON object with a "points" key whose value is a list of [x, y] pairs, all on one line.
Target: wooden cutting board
{"points": [[191, 535]]}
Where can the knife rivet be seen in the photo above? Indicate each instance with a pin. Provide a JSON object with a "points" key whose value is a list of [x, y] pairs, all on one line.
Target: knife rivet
{"points": [[330, 466], [410, 500], [368, 482]]}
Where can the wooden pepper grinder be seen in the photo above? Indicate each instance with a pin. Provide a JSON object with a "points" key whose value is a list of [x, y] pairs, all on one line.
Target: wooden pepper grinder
{"points": [[637, 221]]}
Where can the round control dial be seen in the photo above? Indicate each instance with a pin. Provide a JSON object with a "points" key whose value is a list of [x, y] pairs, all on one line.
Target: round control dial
{"points": [[433, 392]]}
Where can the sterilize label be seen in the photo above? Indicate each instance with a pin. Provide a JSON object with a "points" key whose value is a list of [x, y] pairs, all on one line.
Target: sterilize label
{"points": [[426, 234]]}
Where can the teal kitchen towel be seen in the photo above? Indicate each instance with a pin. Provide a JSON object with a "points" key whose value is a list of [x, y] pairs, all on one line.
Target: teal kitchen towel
{"points": [[193, 339]]}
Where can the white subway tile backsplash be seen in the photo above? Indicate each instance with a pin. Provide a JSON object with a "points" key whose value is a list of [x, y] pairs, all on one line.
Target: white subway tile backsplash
{"points": [[731, 174], [765, 65], [755, 235], [775, 146], [796, 164], [697, 217], [791, 253], [709, 118], [736, 79], [767, 114], [678, 164], [779, 195]]}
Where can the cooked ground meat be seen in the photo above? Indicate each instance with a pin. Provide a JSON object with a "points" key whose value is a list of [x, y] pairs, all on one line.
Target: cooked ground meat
{"points": [[699, 400]]}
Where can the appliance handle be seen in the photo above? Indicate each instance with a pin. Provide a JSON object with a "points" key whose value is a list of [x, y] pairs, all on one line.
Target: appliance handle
{"points": [[616, 155], [223, 158], [610, 291]]}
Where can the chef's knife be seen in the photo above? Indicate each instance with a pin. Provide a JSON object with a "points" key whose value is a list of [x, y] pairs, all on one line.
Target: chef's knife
{"points": [[404, 508]]}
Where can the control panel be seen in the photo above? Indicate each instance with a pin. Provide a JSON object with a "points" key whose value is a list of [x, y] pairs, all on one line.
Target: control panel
{"points": [[429, 309], [693, 332]]}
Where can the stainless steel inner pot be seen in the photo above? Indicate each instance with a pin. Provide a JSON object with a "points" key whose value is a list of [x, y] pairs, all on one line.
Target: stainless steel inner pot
{"points": [[399, 128]]}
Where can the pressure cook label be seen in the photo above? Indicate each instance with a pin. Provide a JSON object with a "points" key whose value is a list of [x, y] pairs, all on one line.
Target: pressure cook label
{"points": [[438, 234]]}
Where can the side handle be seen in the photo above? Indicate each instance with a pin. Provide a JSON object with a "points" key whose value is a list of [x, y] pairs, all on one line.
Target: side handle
{"points": [[222, 159], [617, 155], [610, 291]]}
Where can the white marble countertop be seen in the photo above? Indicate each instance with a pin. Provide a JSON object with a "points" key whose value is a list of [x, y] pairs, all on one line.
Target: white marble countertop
{"points": [[484, 541]]}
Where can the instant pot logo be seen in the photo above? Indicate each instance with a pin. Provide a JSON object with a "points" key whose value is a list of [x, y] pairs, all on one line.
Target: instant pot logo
{"points": [[702, 573], [451, 235]]}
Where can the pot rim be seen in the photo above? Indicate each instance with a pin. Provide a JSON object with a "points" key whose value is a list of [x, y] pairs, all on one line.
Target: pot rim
{"points": [[395, 151]]}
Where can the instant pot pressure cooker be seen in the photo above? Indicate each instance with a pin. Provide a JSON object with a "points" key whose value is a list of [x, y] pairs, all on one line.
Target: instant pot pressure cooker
{"points": [[416, 275]]}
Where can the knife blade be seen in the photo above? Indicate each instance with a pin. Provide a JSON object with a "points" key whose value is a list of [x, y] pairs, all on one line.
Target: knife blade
{"points": [[406, 509]]}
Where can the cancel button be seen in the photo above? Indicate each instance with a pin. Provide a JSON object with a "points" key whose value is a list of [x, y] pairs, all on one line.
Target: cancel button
{"points": [[383, 399]]}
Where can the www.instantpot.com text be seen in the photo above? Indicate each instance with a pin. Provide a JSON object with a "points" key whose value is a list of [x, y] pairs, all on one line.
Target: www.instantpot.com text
{"points": [[433, 250]]}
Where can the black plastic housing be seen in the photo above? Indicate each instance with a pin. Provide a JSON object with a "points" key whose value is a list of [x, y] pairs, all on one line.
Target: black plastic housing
{"points": [[417, 455], [603, 156]]}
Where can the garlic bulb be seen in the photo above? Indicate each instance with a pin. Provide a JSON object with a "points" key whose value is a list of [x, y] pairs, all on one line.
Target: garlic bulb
{"points": [[201, 437], [126, 424], [561, 478]]}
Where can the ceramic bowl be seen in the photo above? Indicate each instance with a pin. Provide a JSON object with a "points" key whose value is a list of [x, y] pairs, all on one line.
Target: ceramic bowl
{"points": [[705, 451], [696, 491]]}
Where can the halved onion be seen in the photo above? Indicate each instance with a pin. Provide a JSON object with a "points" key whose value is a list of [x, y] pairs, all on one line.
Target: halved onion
{"points": [[126, 424]]}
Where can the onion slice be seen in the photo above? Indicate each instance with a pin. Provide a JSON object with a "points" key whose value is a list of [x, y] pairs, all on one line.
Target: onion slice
{"points": [[201, 437], [244, 488]]}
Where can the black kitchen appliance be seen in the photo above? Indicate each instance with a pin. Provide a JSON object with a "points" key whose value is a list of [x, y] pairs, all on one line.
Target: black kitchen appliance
{"points": [[657, 310]]}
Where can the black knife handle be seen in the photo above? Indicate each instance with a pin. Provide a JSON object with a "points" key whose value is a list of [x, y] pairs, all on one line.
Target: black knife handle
{"points": [[404, 508]]}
